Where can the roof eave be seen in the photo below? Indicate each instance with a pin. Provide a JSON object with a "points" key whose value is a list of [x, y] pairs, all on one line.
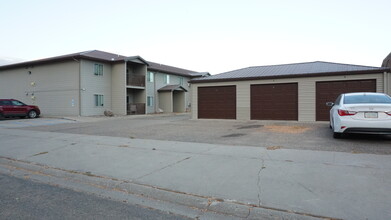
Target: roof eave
{"points": [[293, 76], [170, 72], [37, 62], [136, 58]]}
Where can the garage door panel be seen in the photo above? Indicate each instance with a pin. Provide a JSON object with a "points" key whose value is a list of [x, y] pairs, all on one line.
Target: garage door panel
{"points": [[217, 102], [329, 91], [274, 101]]}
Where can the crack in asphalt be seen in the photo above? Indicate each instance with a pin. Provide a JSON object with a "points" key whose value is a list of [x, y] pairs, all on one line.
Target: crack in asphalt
{"points": [[12, 165], [259, 181], [169, 165]]}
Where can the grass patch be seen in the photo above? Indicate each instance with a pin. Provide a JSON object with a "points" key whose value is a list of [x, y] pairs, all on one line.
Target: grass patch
{"points": [[287, 129]]}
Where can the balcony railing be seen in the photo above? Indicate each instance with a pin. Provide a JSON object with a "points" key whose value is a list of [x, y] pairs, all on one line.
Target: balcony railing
{"points": [[135, 80], [136, 108]]}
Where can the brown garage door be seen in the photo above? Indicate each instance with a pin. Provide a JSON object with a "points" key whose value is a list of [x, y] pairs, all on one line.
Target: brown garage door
{"points": [[274, 102], [217, 102], [329, 91]]}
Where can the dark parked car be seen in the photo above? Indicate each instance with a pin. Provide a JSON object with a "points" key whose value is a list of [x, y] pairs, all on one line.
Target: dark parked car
{"points": [[15, 108]]}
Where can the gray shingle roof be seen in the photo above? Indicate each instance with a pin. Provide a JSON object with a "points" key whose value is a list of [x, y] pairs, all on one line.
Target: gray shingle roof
{"points": [[289, 70], [169, 69], [170, 88], [104, 57]]}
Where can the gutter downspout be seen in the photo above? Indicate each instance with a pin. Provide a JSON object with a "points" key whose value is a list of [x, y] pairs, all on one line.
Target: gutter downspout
{"points": [[154, 93], [385, 82], [79, 61]]}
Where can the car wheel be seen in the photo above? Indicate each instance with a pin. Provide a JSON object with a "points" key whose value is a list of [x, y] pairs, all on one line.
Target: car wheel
{"points": [[32, 114]]}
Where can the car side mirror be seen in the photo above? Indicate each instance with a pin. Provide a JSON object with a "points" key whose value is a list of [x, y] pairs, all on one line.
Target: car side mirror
{"points": [[330, 104]]}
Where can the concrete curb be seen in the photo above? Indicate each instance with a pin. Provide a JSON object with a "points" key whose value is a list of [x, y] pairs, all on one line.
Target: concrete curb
{"points": [[189, 205]]}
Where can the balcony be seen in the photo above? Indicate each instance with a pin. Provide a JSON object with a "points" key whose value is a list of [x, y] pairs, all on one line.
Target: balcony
{"points": [[135, 80], [135, 108]]}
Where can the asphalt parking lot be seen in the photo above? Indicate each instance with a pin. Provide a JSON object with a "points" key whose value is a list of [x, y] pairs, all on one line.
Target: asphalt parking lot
{"points": [[21, 123], [270, 134]]}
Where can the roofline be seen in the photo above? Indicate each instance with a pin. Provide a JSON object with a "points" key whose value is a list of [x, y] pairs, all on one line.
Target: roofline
{"points": [[38, 62], [380, 70], [127, 59], [285, 64], [74, 56], [170, 72], [171, 90]]}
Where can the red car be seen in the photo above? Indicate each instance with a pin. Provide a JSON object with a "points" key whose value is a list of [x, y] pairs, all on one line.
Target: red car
{"points": [[15, 108]]}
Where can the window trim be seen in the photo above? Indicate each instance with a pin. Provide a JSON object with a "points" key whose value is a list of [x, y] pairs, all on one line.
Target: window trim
{"points": [[150, 76], [150, 101], [167, 79], [98, 69], [99, 99]]}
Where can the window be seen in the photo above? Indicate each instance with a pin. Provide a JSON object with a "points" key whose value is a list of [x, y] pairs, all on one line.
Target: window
{"points": [[17, 103], [150, 77], [5, 102], [338, 100], [167, 79], [366, 98], [98, 69], [181, 81], [149, 100], [98, 100]]}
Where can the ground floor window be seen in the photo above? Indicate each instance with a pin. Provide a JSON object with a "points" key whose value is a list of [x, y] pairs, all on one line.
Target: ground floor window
{"points": [[98, 100], [150, 101]]}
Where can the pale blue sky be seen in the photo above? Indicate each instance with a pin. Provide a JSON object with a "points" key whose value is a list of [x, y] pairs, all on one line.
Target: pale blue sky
{"points": [[201, 35]]}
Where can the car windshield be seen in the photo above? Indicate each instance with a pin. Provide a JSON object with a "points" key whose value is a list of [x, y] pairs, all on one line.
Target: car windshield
{"points": [[366, 98]]}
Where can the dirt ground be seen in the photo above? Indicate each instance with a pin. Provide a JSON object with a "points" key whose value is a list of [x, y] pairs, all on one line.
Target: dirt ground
{"points": [[269, 134]]}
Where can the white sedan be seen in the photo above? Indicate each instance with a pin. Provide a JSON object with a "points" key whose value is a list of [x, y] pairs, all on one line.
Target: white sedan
{"points": [[367, 113]]}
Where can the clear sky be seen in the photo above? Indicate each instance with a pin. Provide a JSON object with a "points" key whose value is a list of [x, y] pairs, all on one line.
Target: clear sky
{"points": [[200, 35]]}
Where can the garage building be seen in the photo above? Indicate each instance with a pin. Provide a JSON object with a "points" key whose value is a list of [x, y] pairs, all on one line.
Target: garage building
{"points": [[297, 92]]}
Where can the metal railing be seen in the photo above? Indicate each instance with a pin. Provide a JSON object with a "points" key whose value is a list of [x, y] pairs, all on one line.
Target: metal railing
{"points": [[136, 108], [135, 80]]}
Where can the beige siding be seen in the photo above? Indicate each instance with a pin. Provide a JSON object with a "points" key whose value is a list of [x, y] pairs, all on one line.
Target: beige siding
{"points": [[118, 89], [179, 101], [307, 99], [194, 100], [174, 80], [53, 87], [91, 84], [165, 101], [306, 93], [242, 101]]}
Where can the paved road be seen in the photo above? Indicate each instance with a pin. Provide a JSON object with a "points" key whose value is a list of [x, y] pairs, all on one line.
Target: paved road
{"points": [[285, 135], [241, 181], [22, 123], [25, 199]]}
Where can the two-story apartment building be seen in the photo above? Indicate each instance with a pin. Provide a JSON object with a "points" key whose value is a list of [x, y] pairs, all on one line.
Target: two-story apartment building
{"points": [[88, 83]]}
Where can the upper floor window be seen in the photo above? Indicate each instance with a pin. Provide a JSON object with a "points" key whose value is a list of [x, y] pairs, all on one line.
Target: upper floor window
{"points": [[167, 79], [150, 76], [181, 81], [98, 69]]}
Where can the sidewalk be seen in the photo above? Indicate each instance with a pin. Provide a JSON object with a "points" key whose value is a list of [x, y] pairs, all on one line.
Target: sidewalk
{"points": [[303, 183]]}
